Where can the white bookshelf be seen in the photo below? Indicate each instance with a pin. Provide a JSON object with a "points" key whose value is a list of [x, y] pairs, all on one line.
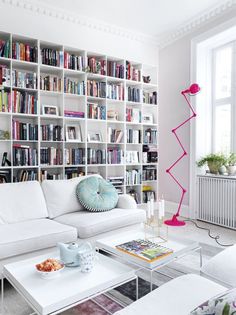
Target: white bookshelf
{"points": [[79, 103]]}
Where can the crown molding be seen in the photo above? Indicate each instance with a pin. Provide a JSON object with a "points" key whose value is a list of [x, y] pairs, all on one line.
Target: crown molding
{"points": [[50, 11], [196, 23]]}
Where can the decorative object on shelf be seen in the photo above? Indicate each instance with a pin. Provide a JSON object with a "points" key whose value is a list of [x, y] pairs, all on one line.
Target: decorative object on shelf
{"points": [[112, 115], [213, 161], [94, 136], [5, 160], [231, 164], [193, 90], [4, 135], [50, 110], [5, 176], [73, 133], [146, 79], [148, 118]]}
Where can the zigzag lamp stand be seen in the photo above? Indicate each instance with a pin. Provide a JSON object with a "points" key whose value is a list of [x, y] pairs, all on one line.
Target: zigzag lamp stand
{"points": [[193, 90]]}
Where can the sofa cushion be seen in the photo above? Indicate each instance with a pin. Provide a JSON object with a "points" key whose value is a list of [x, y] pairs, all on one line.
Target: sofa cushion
{"points": [[28, 236], [126, 201], [96, 194], [179, 297], [222, 267], [92, 223], [61, 197], [22, 201]]}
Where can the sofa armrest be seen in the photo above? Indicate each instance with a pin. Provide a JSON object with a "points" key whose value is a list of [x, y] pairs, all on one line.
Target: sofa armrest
{"points": [[126, 202]]}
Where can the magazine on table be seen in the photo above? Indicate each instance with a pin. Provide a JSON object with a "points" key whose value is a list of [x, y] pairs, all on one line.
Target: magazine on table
{"points": [[145, 249]]}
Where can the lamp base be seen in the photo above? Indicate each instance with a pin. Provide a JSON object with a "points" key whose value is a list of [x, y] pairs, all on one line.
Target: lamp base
{"points": [[174, 221]]}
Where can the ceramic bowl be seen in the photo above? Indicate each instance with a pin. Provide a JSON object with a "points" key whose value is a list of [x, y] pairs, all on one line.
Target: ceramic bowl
{"points": [[51, 274]]}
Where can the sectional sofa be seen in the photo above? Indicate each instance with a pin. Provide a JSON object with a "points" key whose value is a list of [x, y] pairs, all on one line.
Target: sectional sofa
{"points": [[34, 217]]}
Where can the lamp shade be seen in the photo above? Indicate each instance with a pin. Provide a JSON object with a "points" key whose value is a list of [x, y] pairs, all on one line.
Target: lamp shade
{"points": [[192, 90]]}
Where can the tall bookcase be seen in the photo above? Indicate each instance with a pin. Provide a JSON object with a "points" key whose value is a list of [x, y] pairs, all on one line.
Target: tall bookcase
{"points": [[74, 102]]}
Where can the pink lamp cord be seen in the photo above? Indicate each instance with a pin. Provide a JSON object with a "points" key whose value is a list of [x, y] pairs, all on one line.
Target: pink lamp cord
{"points": [[194, 89]]}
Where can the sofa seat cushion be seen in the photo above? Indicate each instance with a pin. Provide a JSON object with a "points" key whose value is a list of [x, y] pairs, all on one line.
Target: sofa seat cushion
{"points": [[179, 297], [28, 236], [89, 224]]}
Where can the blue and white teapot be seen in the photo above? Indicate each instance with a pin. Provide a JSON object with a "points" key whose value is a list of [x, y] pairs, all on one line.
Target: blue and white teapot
{"points": [[73, 254]]}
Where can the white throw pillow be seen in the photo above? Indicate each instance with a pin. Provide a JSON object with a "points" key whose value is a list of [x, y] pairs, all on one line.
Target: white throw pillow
{"points": [[126, 202], [61, 197], [21, 202]]}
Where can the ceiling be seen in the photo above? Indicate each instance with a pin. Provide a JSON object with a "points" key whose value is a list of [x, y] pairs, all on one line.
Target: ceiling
{"points": [[151, 17]]}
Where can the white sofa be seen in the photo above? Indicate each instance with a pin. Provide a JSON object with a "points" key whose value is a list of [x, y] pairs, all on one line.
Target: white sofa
{"points": [[34, 217]]}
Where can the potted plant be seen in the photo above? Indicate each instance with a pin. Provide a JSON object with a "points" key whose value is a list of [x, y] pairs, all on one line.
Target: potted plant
{"points": [[231, 164], [213, 161]]}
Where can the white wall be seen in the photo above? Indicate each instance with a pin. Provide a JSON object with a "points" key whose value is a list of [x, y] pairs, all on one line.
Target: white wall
{"points": [[23, 21], [174, 76]]}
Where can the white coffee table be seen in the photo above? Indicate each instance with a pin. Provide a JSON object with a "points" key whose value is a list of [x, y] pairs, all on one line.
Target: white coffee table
{"points": [[181, 247], [69, 289]]}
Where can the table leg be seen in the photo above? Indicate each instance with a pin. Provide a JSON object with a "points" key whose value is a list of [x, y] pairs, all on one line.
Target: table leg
{"points": [[151, 280], [2, 296], [200, 253], [137, 288]]}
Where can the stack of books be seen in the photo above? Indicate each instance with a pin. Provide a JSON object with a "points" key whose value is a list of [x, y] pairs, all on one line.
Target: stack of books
{"points": [[5, 76], [52, 57], [115, 91], [50, 83], [97, 66], [132, 157], [150, 136], [116, 180], [96, 88], [24, 102], [45, 175], [150, 154], [133, 177], [25, 175], [133, 136], [24, 155], [51, 132], [24, 131], [96, 156], [74, 156], [132, 72], [76, 114], [96, 111], [25, 80], [115, 155], [133, 94], [150, 97], [51, 156], [114, 69], [72, 172], [25, 52], [73, 86], [114, 135], [5, 48], [133, 115], [5, 101], [149, 173], [74, 62]]}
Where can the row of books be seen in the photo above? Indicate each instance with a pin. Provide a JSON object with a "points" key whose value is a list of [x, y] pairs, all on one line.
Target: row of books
{"points": [[5, 48], [133, 136], [97, 65], [133, 94], [115, 69], [148, 195], [150, 97], [25, 52], [24, 102], [73, 86], [52, 57], [74, 62], [133, 177], [51, 156], [114, 135], [132, 157], [96, 88], [45, 175], [115, 91], [150, 136], [22, 79], [24, 131], [96, 111], [76, 114], [50, 83], [25, 175], [96, 156], [51, 132], [72, 172], [5, 101], [149, 173], [24, 155], [133, 115], [115, 155], [132, 72], [74, 156], [5, 76]]}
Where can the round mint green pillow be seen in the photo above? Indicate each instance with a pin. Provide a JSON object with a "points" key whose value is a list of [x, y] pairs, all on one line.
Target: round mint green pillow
{"points": [[96, 194]]}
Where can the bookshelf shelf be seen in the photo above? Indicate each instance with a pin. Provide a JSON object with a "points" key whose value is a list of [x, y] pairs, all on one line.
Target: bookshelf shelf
{"points": [[114, 76]]}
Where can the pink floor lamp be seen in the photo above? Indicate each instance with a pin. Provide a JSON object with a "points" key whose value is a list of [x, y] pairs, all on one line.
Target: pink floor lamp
{"points": [[193, 90]]}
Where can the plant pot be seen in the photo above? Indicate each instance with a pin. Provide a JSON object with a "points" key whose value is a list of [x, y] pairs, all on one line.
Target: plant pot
{"points": [[222, 170], [231, 170], [214, 167]]}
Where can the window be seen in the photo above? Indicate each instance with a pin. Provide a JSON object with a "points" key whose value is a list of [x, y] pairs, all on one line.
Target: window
{"points": [[223, 99]]}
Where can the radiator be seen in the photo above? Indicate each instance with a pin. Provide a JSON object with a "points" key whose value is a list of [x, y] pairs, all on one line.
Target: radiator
{"points": [[216, 200]]}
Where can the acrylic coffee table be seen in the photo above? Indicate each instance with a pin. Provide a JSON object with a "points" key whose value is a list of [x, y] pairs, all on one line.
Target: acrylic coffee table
{"points": [[69, 289]]}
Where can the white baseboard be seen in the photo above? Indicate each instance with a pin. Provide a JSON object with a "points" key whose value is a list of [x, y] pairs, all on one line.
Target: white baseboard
{"points": [[171, 207]]}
